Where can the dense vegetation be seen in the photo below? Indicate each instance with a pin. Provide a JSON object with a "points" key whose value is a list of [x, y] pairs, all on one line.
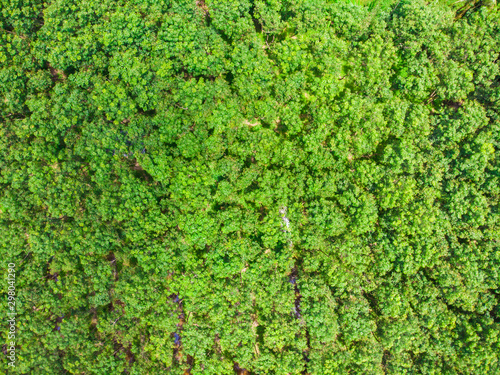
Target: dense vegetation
{"points": [[285, 187]]}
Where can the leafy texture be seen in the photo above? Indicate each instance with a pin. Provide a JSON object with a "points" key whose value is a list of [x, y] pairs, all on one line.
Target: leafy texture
{"points": [[276, 187]]}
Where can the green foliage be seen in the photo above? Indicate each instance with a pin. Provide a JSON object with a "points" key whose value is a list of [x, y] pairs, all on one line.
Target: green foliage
{"points": [[284, 187]]}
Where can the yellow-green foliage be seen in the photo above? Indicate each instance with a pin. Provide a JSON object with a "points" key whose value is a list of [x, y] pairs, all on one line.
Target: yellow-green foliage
{"points": [[286, 187]]}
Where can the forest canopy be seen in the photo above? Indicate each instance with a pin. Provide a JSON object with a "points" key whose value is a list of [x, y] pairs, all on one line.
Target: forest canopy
{"points": [[251, 186]]}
